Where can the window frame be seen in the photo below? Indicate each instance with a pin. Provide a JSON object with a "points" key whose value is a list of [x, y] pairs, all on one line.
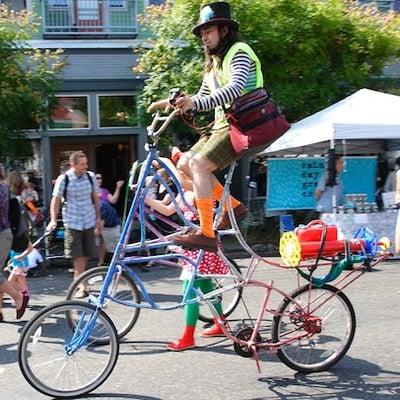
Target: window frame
{"points": [[115, 94], [88, 113]]}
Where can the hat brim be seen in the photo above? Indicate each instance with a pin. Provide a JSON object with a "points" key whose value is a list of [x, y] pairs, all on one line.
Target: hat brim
{"points": [[217, 21]]}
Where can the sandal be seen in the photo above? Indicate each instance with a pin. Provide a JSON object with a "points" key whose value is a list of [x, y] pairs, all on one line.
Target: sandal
{"points": [[181, 345], [21, 311]]}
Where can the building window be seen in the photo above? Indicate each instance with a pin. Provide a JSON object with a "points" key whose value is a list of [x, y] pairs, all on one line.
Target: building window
{"points": [[69, 112], [117, 111]]}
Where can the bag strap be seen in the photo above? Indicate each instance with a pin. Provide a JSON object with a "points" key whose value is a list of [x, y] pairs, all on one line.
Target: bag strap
{"points": [[66, 178], [217, 86]]}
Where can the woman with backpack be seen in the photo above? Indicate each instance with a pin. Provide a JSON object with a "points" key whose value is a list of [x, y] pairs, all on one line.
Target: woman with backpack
{"points": [[20, 223], [6, 239]]}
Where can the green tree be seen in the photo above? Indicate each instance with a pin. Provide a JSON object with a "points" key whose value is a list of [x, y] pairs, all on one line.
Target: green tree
{"points": [[313, 52], [28, 78]]}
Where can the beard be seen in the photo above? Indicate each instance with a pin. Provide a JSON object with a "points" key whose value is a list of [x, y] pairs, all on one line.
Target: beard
{"points": [[214, 51]]}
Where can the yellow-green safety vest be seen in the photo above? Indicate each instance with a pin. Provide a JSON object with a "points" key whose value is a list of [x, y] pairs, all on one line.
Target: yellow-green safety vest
{"points": [[221, 75]]}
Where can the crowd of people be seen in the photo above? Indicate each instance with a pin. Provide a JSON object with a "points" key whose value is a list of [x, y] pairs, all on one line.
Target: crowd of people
{"points": [[92, 225]]}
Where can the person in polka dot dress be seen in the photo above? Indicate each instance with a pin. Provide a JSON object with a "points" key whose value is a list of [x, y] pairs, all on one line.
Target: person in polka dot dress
{"points": [[211, 263]]}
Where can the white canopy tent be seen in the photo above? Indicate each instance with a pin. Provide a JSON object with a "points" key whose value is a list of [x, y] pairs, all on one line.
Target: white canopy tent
{"points": [[367, 115]]}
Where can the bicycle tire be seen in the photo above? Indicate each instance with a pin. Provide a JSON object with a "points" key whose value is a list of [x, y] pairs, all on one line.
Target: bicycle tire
{"points": [[123, 317], [228, 307], [320, 350], [42, 350]]}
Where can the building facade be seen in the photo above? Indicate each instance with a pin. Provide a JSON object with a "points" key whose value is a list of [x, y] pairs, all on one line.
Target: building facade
{"points": [[96, 108]]}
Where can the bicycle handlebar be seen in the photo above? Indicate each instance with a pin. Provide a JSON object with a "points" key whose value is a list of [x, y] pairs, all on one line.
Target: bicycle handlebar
{"points": [[151, 132]]}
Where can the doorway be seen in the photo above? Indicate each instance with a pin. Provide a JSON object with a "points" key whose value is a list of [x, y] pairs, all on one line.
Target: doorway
{"points": [[88, 15], [113, 163], [61, 153]]}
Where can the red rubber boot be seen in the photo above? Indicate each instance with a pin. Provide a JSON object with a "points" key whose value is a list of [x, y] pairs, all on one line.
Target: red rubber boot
{"points": [[213, 331], [186, 342]]}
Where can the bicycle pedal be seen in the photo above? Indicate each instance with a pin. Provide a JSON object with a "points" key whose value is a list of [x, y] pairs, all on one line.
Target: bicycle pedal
{"points": [[174, 248], [225, 232]]}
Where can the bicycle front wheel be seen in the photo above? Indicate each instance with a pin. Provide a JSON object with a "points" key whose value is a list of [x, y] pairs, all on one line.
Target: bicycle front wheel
{"points": [[316, 328], [229, 299], [61, 361], [122, 287]]}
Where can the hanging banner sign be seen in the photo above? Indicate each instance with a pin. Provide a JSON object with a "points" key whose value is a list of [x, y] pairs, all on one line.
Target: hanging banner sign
{"points": [[291, 183]]}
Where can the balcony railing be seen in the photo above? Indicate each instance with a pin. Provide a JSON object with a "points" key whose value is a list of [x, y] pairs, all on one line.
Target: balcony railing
{"points": [[89, 17], [383, 5]]}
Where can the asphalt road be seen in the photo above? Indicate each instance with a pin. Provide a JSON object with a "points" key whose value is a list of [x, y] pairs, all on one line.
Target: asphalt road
{"points": [[146, 370]]}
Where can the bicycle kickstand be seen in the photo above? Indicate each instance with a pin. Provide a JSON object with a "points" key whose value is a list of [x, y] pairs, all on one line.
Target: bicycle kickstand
{"points": [[255, 356]]}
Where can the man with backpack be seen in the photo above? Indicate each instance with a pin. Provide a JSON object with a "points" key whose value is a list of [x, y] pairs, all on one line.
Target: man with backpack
{"points": [[81, 213]]}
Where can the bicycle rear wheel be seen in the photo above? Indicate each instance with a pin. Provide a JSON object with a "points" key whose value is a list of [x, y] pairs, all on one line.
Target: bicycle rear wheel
{"points": [[229, 299], [61, 361], [122, 287], [325, 319]]}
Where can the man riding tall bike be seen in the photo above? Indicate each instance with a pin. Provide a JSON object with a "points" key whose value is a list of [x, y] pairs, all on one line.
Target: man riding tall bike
{"points": [[231, 69]]}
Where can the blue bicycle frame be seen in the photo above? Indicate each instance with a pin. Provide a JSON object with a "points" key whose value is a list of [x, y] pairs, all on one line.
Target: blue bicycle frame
{"points": [[124, 254]]}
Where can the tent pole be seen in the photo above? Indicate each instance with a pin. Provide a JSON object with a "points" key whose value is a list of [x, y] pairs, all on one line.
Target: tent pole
{"points": [[334, 199]]}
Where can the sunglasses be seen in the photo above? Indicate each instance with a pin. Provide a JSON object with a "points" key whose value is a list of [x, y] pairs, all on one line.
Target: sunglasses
{"points": [[99, 177]]}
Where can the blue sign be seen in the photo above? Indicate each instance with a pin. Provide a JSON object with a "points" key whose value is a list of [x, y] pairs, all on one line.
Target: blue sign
{"points": [[291, 183]]}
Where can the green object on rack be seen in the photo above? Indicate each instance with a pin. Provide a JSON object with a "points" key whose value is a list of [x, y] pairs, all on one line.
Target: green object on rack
{"points": [[334, 272]]}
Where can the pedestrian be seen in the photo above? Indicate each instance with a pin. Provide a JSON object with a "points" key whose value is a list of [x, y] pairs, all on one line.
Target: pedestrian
{"points": [[211, 263], [231, 69], [81, 214], [21, 300], [6, 241], [397, 200], [391, 179], [20, 226], [328, 186], [30, 194], [30, 199], [109, 237], [105, 194]]}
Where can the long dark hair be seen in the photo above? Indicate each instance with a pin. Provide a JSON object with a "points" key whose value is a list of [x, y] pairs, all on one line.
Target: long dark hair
{"points": [[231, 37]]}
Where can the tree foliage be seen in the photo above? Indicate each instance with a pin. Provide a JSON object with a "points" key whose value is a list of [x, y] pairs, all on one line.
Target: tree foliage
{"points": [[28, 77], [313, 52]]}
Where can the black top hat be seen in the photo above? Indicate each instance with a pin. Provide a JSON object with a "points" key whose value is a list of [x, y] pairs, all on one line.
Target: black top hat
{"points": [[214, 14]]}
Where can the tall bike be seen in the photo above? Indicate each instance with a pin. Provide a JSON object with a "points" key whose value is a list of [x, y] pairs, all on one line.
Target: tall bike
{"points": [[82, 327], [70, 348]]}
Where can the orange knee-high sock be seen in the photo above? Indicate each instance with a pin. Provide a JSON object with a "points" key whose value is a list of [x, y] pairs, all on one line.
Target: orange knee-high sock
{"points": [[206, 214], [218, 190]]}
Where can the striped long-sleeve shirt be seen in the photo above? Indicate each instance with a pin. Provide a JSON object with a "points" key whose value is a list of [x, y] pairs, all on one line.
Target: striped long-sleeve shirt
{"points": [[242, 75]]}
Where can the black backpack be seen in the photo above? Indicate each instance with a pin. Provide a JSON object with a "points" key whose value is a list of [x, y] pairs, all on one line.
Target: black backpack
{"points": [[20, 224], [67, 182]]}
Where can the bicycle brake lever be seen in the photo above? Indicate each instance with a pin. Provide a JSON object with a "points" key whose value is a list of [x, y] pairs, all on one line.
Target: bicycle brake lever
{"points": [[173, 95]]}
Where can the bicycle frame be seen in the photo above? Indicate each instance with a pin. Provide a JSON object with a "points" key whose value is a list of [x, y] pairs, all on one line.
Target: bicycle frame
{"points": [[124, 254]]}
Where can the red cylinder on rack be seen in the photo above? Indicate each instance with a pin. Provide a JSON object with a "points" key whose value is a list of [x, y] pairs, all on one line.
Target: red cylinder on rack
{"points": [[314, 230], [331, 248]]}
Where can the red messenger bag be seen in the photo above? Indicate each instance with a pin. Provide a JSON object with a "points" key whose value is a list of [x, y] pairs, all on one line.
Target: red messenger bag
{"points": [[254, 121]]}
